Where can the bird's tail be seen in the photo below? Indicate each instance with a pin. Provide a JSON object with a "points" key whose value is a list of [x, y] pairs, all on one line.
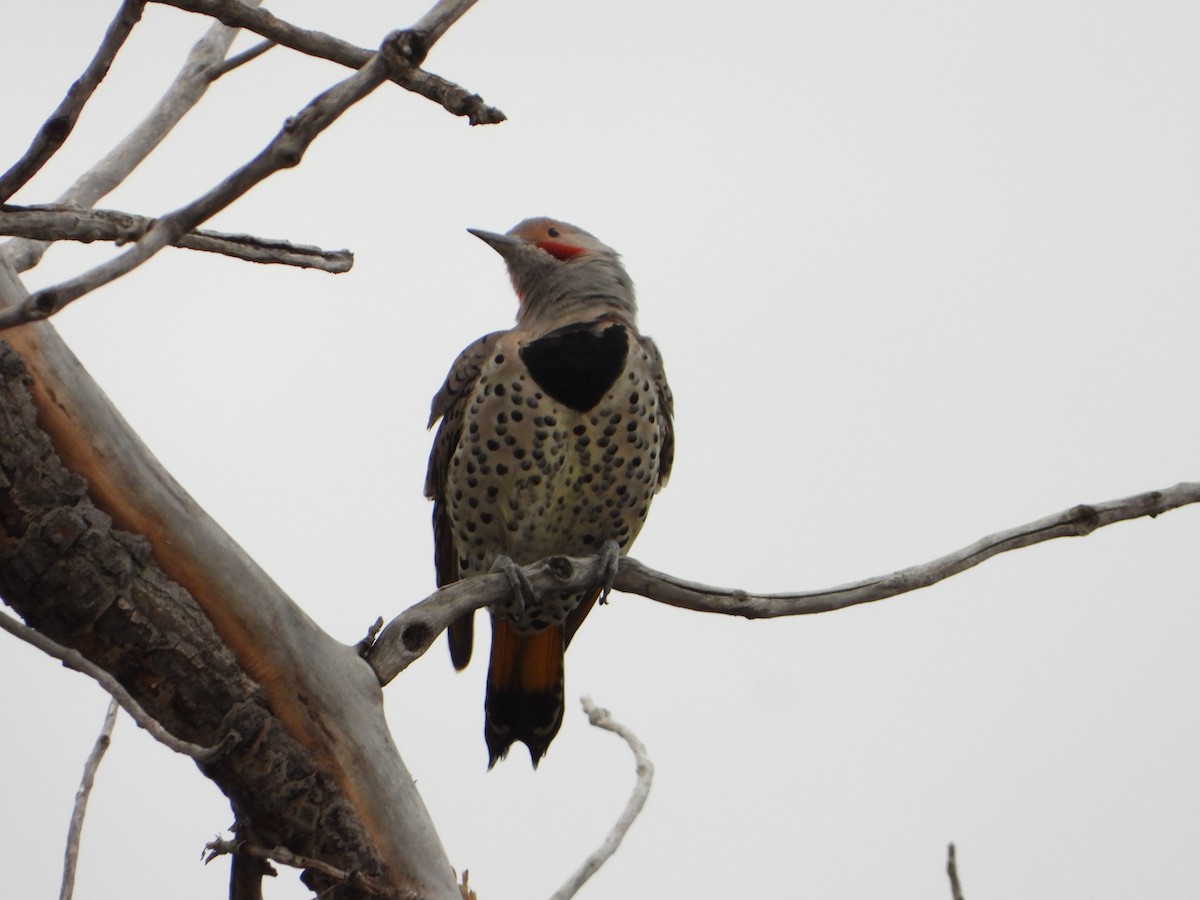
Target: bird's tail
{"points": [[524, 690]]}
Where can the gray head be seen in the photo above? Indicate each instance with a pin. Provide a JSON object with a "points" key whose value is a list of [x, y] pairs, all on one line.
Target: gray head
{"points": [[561, 273]]}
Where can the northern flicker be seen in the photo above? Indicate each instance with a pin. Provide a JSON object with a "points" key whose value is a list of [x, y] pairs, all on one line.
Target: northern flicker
{"points": [[554, 437]]}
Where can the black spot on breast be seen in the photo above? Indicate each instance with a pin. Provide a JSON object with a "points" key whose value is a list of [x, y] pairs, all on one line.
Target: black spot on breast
{"points": [[577, 366]]}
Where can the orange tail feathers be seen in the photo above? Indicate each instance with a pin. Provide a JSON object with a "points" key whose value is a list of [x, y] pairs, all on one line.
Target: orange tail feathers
{"points": [[524, 690]]}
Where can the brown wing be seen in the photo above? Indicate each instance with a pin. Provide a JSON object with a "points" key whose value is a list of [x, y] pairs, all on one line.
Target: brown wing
{"points": [[448, 405]]}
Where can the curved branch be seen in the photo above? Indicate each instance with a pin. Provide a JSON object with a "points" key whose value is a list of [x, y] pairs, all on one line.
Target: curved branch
{"points": [[1077, 521], [74, 223], [600, 718], [56, 129], [411, 633]]}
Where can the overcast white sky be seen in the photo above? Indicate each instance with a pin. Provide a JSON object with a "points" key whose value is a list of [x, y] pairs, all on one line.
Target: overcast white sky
{"points": [[919, 272]]}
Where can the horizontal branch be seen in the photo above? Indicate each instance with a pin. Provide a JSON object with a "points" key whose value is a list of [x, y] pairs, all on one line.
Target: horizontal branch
{"points": [[55, 130], [411, 633], [73, 223], [450, 96]]}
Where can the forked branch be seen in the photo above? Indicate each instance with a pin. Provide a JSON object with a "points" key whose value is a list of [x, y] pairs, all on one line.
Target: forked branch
{"points": [[407, 636], [198, 72], [284, 151]]}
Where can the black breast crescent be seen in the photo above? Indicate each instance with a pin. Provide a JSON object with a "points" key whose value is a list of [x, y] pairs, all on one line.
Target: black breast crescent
{"points": [[577, 366]]}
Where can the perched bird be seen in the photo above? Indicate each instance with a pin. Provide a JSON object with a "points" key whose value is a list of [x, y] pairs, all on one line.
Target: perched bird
{"points": [[554, 437]]}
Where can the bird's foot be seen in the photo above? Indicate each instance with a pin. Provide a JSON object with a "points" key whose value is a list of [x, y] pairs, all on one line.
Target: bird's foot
{"points": [[522, 591], [610, 561]]}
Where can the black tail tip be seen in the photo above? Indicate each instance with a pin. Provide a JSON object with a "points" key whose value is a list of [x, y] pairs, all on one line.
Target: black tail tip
{"points": [[499, 745], [512, 716]]}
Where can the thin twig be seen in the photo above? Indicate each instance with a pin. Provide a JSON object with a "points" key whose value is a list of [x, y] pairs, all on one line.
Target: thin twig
{"points": [[601, 718], [72, 223], [221, 846], [952, 871], [183, 93], [409, 635], [284, 151], [365, 644], [81, 800], [73, 659], [453, 98], [55, 130], [240, 59]]}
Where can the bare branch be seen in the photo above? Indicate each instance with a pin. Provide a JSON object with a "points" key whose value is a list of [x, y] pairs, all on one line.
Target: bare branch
{"points": [[453, 98], [952, 871], [240, 59], [220, 846], [183, 94], [411, 633], [1075, 522], [438, 20], [81, 800], [284, 151], [73, 659], [601, 718], [54, 132], [73, 223]]}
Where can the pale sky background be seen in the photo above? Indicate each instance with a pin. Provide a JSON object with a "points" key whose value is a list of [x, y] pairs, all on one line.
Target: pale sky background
{"points": [[919, 272]]}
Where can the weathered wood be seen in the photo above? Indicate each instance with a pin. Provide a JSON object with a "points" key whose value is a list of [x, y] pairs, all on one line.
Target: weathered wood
{"points": [[101, 550]]}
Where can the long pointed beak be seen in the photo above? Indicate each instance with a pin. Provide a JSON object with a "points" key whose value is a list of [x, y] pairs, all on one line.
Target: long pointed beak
{"points": [[501, 243]]}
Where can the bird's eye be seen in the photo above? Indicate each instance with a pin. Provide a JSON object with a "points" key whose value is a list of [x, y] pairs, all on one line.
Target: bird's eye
{"points": [[553, 232]]}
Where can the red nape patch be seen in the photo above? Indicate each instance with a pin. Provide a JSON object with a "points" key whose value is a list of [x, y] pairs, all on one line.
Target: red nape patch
{"points": [[559, 251]]}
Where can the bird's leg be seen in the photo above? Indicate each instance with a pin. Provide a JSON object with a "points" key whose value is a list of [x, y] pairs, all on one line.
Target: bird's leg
{"points": [[522, 591], [610, 560]]}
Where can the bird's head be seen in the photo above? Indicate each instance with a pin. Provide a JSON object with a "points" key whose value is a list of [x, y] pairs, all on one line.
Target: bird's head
{"points": [[555, 266]]}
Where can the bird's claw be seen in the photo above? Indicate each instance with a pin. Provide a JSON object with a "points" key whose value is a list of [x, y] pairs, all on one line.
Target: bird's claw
{"points": [[610, 561], [522, 597]]}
